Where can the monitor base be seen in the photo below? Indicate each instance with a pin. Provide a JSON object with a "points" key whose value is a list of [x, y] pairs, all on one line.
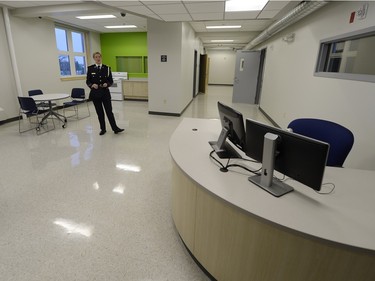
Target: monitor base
{"points": [[276, 188], [227, 152]]}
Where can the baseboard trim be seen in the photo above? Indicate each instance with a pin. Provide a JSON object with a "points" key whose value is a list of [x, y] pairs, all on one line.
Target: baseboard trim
{"points": [[164, 113], [269, 117]]}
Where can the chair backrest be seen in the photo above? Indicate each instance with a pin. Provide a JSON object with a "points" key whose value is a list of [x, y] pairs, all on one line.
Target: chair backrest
{"points": [[339, 138], [27, 105], [35, 92], [78, 93]]}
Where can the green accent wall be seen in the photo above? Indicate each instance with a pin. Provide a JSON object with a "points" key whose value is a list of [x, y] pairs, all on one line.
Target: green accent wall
{"points": [[123, 44]]}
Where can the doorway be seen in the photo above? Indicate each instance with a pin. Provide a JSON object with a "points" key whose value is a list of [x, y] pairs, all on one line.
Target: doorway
{"points": [[260, 75], [195, 73]]}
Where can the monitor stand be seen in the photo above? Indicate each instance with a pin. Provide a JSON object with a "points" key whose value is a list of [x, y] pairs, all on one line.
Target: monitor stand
{"points": [[265, 180], [223, 149]]}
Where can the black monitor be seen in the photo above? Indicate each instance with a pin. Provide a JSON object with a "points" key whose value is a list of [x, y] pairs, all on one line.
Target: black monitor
{"points": [[233, 129], [301, 158]]}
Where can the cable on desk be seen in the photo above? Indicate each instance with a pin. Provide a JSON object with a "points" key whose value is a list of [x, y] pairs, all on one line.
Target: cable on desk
{"points": [[225, 168], [256, 172], [328, 192]]}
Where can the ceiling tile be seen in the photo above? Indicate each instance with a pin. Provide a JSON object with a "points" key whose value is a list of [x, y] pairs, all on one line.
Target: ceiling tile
{"points": [[168, 9], [208, 16], [209, 7], [143, 10], [179, 17], [276, 5], [268, 14]]}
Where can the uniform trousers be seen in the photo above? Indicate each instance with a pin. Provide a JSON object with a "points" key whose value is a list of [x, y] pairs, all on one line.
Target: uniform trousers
{"points": [[101, 104]]}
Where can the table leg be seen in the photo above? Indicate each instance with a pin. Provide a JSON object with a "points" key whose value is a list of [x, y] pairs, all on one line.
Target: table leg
{"points": [[61, 117]]}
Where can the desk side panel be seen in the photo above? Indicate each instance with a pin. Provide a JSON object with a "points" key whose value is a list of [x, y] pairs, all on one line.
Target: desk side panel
{"points": [[234, 245], [184, 194]]}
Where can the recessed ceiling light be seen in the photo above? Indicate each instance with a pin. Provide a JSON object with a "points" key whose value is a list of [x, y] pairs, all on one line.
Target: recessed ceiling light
{"points": [[120, 26], [243, 6], [221, 41], [96, 17], [222, 26]]}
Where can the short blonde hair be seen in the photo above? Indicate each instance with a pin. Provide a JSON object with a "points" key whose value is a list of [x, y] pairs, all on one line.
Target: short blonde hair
{"points": [[96, 53]]}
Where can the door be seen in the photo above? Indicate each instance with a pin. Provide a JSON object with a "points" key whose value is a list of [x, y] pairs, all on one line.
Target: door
{"points": [[195, 73], [246, 76], [203, 73]]}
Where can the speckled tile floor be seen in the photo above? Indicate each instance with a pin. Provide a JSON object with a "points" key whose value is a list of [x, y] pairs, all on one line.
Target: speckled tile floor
{"points": [[78, 206]]}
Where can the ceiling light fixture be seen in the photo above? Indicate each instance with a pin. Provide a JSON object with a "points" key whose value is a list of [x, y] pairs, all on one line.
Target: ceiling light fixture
{"points": [[222, 41], [243, 6], [96, 17], [222, 26], [121, 26]]}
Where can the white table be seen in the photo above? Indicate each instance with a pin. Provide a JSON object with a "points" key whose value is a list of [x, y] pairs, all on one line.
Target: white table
{"points": [[49, 98], [237, 231]]}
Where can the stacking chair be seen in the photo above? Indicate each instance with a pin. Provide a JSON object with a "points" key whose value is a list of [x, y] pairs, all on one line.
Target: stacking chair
{"points": [[340, 139], [42, 105], [29, 109], [77, 97]]}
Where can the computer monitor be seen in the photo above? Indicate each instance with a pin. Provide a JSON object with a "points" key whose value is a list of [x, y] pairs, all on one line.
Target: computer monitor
{"points": [[233, 129], [301, 158]]}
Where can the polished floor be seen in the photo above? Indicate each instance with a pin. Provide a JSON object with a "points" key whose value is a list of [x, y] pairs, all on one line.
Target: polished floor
{"points": [[78, 206]]}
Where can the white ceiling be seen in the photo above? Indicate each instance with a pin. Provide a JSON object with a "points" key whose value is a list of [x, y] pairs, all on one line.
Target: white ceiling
{"points": [[197, 13]]}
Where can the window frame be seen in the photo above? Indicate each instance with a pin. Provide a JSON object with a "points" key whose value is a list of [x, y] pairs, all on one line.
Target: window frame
{"points": [[323, 54], [71, 53]]}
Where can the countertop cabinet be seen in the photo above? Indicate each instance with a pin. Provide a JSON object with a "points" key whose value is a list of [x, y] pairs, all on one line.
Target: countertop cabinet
{"points": [[135, 89]]}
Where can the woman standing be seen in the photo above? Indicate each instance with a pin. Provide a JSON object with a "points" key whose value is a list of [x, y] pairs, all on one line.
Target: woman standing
{"points": [[98, 79]]}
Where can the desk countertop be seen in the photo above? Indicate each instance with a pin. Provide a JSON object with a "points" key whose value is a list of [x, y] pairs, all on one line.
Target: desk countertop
{"points": [[346, 216]]}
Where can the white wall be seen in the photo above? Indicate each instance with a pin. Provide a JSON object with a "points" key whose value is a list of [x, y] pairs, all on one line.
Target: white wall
{"points": [[8, 92], [170, 84], [37, 61], [221, 68], [290, 90]]}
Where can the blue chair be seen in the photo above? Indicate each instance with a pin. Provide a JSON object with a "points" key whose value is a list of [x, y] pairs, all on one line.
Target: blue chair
{"points": [[339, 138], [78, 97], [29, 109], [42, 105]]}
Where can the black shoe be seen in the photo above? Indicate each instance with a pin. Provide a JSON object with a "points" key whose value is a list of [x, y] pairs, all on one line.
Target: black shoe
{"points": [[118, 130], [102, 132]]}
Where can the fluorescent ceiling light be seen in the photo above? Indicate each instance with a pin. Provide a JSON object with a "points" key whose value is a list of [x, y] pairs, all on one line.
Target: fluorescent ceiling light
{"points": [[243, 6], [96, 17], [222, 41], [120, 26], [222, 26]]}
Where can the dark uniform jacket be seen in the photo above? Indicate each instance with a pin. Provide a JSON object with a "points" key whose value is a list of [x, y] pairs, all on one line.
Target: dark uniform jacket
{"points": [[99, 76]]}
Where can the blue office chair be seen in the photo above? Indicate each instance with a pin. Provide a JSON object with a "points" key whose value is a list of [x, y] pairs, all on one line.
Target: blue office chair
{"points": [[29, 109], [339, 138], [78, 97]]}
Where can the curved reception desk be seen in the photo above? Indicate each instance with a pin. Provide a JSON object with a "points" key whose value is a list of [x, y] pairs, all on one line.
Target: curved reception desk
{"points": [[237, 231]]}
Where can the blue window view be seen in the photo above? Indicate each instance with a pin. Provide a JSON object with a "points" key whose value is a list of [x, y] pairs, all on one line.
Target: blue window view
{"points": [[71, 50], [80, 64], [61, 40], [78, 45], [64, 65]]}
